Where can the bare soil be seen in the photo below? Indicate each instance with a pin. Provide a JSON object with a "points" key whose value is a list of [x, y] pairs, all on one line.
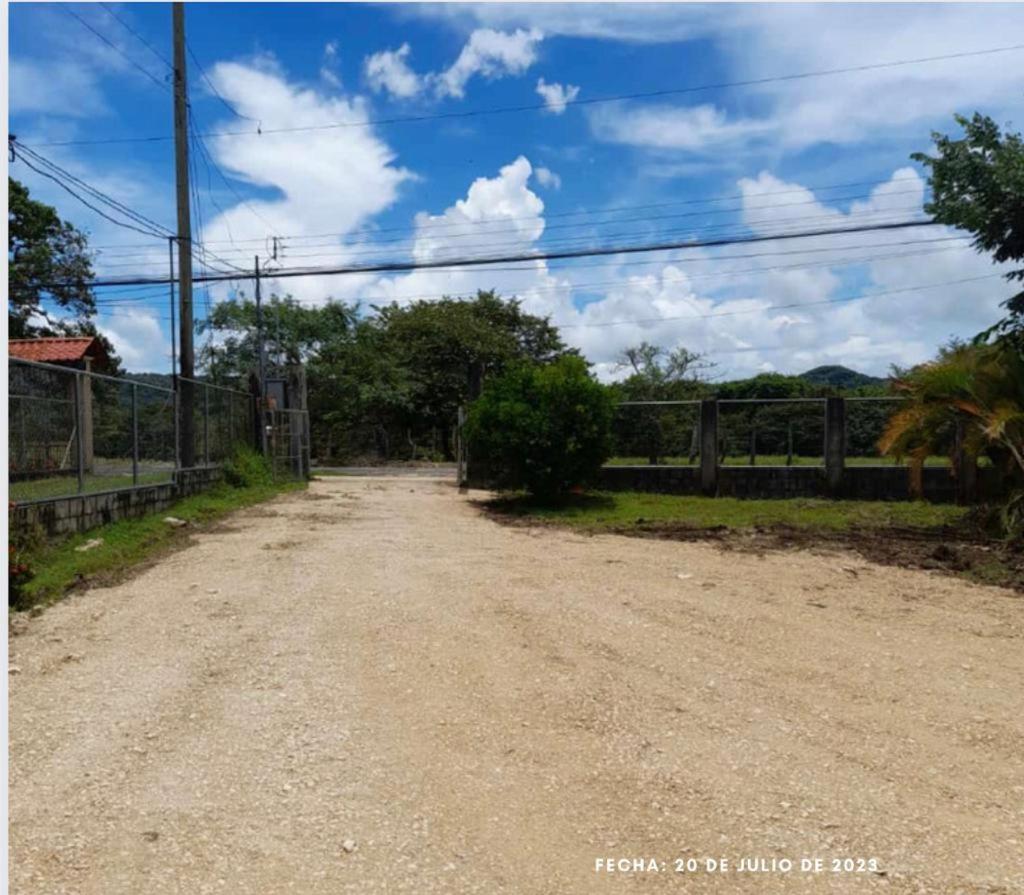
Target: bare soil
{"points": [[951, 551], [387, 692]]}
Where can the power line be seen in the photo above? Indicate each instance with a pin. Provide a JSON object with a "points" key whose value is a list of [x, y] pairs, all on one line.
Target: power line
{"points": [[98, 194], [138, 36], [84, 201], [722, 275], [874, 216], [59, 175], [434, 228], [798, 304], [844, 261], [213, 89], [738, 313], [653, 94], [458, 263], [209, 161], [116, 49]]}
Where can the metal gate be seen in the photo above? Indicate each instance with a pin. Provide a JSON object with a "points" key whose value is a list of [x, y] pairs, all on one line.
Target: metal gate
{"points": [[286, 439]]}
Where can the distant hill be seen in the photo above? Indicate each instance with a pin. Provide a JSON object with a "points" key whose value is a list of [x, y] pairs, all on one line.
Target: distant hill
{"points": [[838, 376], [160, 379]]}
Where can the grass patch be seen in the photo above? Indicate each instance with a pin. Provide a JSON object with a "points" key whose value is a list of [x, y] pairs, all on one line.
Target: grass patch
{"points": [[614, 510], [129, 543], [908, 534]]}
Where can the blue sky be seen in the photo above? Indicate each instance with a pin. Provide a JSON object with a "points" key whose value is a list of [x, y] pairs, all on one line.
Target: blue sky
{"points": [[786, 154]]}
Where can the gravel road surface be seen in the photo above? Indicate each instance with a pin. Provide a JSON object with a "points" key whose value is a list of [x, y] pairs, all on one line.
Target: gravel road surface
{"points": [[369, 687]]}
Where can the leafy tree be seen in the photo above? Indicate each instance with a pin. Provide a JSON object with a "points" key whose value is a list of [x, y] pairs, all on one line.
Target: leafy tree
{"points": [[976, 388], [48, 258], [977, 185], [659, 374], [546, 428], [292, 333], [442, 346], [359, 395]]}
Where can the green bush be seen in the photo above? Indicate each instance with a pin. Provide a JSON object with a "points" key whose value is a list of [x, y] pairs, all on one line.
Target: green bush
{"points": [[248, 468], [543, 428]]}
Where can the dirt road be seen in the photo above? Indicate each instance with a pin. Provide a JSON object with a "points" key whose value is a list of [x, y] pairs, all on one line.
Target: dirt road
{"points": [[370, 688]]}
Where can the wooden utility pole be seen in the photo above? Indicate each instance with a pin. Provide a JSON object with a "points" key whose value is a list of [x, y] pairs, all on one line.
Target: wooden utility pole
{"points": [[261, 394], [259, 332], [186, 361]]}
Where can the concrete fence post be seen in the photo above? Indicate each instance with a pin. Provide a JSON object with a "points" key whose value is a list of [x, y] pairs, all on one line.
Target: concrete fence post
{"points": [[965, 469], [835, 443], [709, 447]]}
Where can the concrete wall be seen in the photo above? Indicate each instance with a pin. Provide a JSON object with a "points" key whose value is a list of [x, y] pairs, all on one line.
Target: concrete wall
{"points": [[69, 515]]}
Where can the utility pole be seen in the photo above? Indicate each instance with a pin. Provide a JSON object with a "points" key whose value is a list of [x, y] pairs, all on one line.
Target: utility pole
{"points": [[187, 355], [261, 397], [259, 332], [174, 356]]}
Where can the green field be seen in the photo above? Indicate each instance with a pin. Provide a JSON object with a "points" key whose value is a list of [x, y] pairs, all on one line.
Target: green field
{"points": [[614, 510]]}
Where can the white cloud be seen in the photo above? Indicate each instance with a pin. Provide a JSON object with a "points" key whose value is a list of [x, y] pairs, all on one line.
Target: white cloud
{"points": [[138, 339], [634, 22], [694, 128], [388, 70], [556, 96], [492, 54], [327, 181], [62, 88], [757, 41], [548, 178], [790, 311], [488, 53], [498, 215], [329, 65]]}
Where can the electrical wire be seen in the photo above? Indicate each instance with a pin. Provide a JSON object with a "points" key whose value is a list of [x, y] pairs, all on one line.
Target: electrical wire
{"points": [[213, 89], [653, 94], [161, 84], [138, 36], [432, 229], [798, 304], [85, 202], [603, 251]]}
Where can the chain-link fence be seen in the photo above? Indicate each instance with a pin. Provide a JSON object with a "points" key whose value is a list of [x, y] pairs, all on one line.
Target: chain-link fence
{"points": [[77, 432], [656, 433], [754, 432], [867, 419], [771, 432], [222, 419]]}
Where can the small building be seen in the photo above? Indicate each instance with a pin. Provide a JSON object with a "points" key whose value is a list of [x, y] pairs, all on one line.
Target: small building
{"points": [[78, 352], [85, 353]]}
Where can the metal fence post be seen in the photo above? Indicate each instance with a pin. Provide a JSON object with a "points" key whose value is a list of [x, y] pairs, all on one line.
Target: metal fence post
{"points": [[135, 435], [709, 447], [206, 425], [177, 427], [79, 423]]}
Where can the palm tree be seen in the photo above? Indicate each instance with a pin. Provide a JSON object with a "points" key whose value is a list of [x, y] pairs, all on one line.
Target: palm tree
{"points": [[971, 398]]}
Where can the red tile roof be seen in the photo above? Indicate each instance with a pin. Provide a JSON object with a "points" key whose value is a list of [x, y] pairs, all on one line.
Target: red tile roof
{"points": [[57, 350]]}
